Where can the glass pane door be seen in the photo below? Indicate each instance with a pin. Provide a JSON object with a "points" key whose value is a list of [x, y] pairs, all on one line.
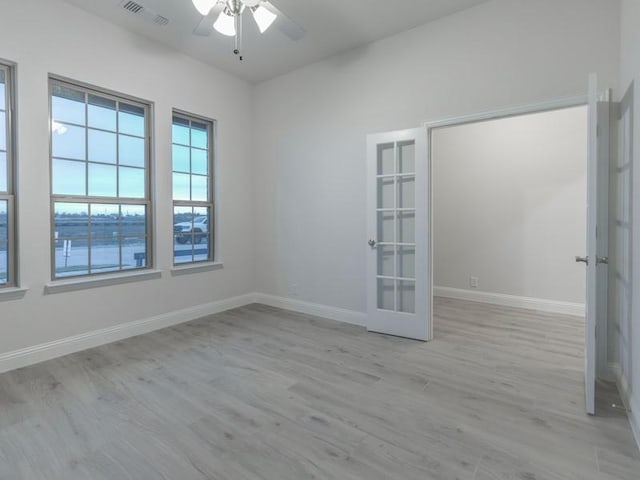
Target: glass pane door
{"points": [[396, 218]]}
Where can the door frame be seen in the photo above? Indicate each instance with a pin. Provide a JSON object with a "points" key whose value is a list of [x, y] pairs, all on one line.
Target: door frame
{"points": [[497, 114]]}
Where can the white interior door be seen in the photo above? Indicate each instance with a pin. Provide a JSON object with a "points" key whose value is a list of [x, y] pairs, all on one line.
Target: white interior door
{"points": [[398, 299], [622, 210], [597, 242]]}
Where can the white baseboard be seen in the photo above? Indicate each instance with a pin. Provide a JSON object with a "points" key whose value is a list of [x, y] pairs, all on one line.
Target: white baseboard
{"points": [[57, 348], [65, 346], [552, 306], [47, 351], [325, 311], [632, 404]]}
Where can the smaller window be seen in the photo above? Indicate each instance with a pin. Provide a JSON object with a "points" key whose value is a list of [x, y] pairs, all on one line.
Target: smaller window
{"points": [[193, 208]]}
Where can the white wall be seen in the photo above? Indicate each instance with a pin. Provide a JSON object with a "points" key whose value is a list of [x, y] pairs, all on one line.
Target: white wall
{"points": [[49, 36], [630, 42], [628, 339], [510, 205], [311, 124]]}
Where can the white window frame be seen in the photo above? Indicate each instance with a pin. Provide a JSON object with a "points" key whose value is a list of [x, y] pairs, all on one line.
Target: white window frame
{"points": [[9, 196], [146, 201], [210, 203]]}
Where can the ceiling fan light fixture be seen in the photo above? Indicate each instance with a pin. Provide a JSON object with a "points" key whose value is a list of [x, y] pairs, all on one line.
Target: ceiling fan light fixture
{"points": [[225, 24], [263, 17], [204, 6]]}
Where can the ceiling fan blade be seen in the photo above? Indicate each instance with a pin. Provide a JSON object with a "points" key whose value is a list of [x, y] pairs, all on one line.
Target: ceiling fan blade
{"points": [[205, 27], [283, 23]]}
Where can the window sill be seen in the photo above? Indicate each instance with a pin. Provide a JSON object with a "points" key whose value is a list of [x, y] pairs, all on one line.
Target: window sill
{"points": [[12, 293], [196, 268], [61, 286]]}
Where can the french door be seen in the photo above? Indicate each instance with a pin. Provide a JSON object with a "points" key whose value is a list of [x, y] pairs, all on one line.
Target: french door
{"points": [[398, 205], [597, 241]]}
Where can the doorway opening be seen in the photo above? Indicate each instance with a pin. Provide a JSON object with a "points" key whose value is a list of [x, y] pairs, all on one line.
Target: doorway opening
{"points": [[509, 216], [509, 210]]}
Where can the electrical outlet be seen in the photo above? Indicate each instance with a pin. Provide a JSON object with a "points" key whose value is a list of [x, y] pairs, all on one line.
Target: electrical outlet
{"points": [[474, 282]]}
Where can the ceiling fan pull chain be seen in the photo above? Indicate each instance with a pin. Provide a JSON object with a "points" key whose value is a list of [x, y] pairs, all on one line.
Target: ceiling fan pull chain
{"points": [[238, 38], [236, 50]]}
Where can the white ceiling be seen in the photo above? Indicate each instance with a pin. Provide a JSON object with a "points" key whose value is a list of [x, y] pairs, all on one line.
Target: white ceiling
{"points": [[332, 26]]}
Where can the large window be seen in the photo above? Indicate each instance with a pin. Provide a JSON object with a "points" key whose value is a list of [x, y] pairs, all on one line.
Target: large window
{"points": [[192, 189], [99, 182], [7, 217]]}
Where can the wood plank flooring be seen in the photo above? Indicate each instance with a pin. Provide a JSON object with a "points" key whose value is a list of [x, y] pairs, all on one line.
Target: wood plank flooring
{"points": [[262, 393]]}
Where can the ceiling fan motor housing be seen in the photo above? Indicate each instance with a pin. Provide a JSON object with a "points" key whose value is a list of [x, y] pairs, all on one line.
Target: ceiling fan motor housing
{"points": [[235, 7]]}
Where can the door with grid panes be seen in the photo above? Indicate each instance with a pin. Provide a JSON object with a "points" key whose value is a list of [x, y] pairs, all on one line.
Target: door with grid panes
{"points": [[398, 273]]}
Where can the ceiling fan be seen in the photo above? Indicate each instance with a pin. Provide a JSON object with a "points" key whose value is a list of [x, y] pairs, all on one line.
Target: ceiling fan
{"points": [[225, 16]]}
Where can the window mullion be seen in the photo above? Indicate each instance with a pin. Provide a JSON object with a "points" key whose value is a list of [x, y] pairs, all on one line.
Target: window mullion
{"points": [[118, 150], [89, 237]]}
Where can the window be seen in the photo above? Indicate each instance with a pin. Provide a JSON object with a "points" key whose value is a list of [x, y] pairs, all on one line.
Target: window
{"points": [[193, 210], [7, 215], [99, 182]]}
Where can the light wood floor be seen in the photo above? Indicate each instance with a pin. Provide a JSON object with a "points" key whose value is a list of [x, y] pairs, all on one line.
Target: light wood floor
{"points": [[261, 393]]}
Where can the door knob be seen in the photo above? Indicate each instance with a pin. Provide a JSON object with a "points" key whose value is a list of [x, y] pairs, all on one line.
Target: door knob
{"points": [[582, 260], [602, 260], [372, 243]]}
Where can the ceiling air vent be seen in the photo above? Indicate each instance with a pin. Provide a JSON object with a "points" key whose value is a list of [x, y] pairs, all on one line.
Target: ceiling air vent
{"points": [[160, 20], [133, 7], [143, 12]]}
